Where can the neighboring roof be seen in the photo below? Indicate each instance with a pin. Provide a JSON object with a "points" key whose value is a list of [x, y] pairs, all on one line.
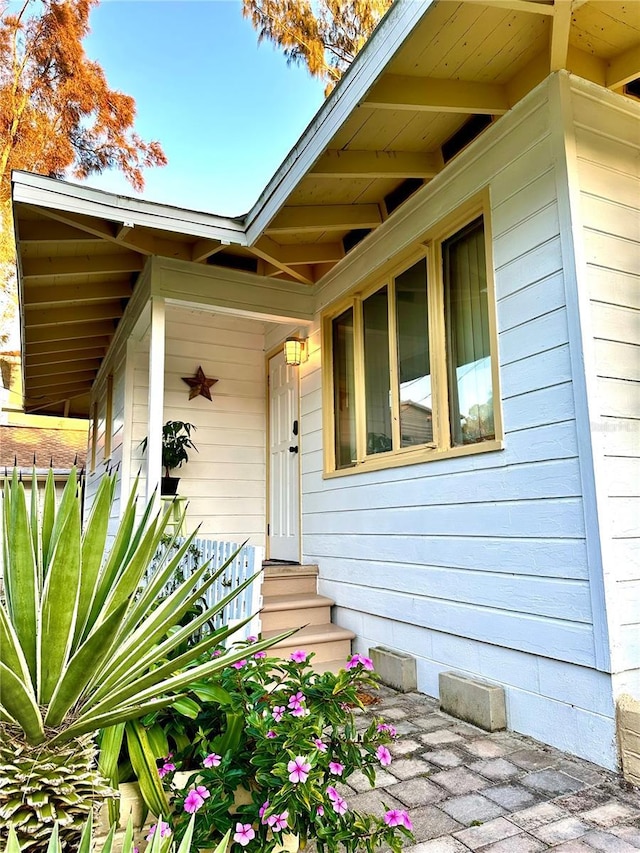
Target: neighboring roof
{"points": [[431, 78], [26, 446]]}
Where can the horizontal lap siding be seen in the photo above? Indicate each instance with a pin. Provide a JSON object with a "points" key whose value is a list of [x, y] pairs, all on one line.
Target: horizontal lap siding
{"points": [[608, 151], [488, 547], [225, 480]]}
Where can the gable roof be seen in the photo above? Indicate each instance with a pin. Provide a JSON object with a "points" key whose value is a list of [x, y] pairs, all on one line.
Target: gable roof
{"points": [[434, 74]]}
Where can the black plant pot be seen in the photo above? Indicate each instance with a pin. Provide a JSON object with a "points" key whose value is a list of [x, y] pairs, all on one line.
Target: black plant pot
{"points": [[169, 486]]}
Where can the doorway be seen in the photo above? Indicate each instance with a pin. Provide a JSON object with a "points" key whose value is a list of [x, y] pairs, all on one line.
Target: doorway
{"points": [[284, 460]]}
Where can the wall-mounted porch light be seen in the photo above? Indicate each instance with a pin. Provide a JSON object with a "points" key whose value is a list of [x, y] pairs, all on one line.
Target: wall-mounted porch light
{"points": [[295, 351]]}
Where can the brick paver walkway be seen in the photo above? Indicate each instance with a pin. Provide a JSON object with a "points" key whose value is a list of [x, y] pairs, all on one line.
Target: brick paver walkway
{"points": [[466, 789]]}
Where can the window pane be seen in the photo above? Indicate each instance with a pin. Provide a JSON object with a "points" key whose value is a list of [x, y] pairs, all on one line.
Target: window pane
{"points": [[344, 390], [416, 422], [467, 331], [377, 383]]}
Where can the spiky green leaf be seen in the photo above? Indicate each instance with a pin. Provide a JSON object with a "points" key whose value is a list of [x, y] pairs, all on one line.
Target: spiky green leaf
{"points": [[21, 578], [143, 761], [59, 605]]}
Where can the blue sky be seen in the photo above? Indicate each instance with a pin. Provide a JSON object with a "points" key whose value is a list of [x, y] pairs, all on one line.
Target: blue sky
{"points": [[225, 109]]}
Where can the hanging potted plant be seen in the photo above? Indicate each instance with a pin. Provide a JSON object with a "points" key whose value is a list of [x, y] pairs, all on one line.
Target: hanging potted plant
{"points": [[176, 441]]}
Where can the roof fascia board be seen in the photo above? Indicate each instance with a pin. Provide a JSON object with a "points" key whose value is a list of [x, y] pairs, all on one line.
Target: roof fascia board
{"points": [[47, 192], [370, 63]]}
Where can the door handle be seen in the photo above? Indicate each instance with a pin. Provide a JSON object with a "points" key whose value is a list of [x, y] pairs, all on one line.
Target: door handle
{"points": [[293, 449]]}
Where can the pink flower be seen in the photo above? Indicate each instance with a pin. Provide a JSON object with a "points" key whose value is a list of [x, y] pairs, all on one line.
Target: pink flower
{"points": [[356, 659], [332, 793], [383, 755], [320, 811], [278, 712], [296, 700], [278, 822], [162, 826], [320, 744], [339, 805], [299, 656], [260, 655], [167, 767], [252, 639], [193, 802], [397, 817], [298, 769], [262, 810], [299, 711], [243, 834], [216, 653], [201, 791], [212, 760], [336, 768], [271, 734], [390, 730], [238, 665]]}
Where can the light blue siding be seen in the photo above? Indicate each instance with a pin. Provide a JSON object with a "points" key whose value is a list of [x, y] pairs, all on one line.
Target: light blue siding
{"points": [[484, 564]]}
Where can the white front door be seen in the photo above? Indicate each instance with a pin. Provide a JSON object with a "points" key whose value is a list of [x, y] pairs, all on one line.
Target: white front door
{"points": [[284, 461]]}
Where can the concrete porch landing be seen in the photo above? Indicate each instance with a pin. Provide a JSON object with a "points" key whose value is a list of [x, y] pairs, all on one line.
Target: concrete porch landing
{"points": [[468, 790]]}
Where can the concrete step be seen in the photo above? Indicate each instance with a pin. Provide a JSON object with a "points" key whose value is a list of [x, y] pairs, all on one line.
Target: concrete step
{"points": [[289, 580], [293, 611], [329, 642]]}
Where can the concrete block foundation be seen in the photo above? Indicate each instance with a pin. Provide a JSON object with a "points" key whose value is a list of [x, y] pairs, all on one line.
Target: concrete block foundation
{"points": [[395, 669], [476, 702]]}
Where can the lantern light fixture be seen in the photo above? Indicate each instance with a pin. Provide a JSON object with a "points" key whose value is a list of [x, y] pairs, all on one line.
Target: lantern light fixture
{"points": [[295, 351]]}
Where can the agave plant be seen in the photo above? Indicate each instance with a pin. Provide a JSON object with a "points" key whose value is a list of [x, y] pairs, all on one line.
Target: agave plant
{"points": [[88, 843], [85, 644]]}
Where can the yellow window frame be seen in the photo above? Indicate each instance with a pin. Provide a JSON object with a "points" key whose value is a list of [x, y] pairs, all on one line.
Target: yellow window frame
{"points": [[429, 246]]}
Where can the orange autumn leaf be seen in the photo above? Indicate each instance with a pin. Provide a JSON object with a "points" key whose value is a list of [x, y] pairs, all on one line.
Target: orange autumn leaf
{"points": [[58, 115]]}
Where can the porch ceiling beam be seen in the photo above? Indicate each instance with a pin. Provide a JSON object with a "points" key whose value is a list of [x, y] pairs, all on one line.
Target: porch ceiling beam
{"points": [[43, 295], [48, 231], [88, 224], [50, 334], [268, 250], [43, 384], [66, 349], [86, 265], [50, 369], [123, 230], [57, 394], [624, 68], [32, 406], [533, 6], [137, 241], [424, 94], [36, 317], [330, 217], [203, 249], [377, 164], [560, 27], [308, 253]]}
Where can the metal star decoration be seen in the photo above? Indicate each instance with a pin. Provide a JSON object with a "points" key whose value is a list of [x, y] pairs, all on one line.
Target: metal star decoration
{"points": [[199, 384]]}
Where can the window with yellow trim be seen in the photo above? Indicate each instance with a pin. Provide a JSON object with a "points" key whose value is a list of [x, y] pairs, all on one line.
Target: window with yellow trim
{"points": [[411, 364]]}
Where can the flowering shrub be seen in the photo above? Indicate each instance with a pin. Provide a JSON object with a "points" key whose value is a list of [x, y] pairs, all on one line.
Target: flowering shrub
{"points": [[289, 738]]}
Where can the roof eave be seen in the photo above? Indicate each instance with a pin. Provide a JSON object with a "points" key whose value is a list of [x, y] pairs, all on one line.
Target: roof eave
{"points": [[370, 63], [51, 193]]}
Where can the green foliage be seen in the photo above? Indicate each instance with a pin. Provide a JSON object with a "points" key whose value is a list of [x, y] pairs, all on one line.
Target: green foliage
{"points": [[85, 644], [176, 441], [89, 844], [276, 712]]}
